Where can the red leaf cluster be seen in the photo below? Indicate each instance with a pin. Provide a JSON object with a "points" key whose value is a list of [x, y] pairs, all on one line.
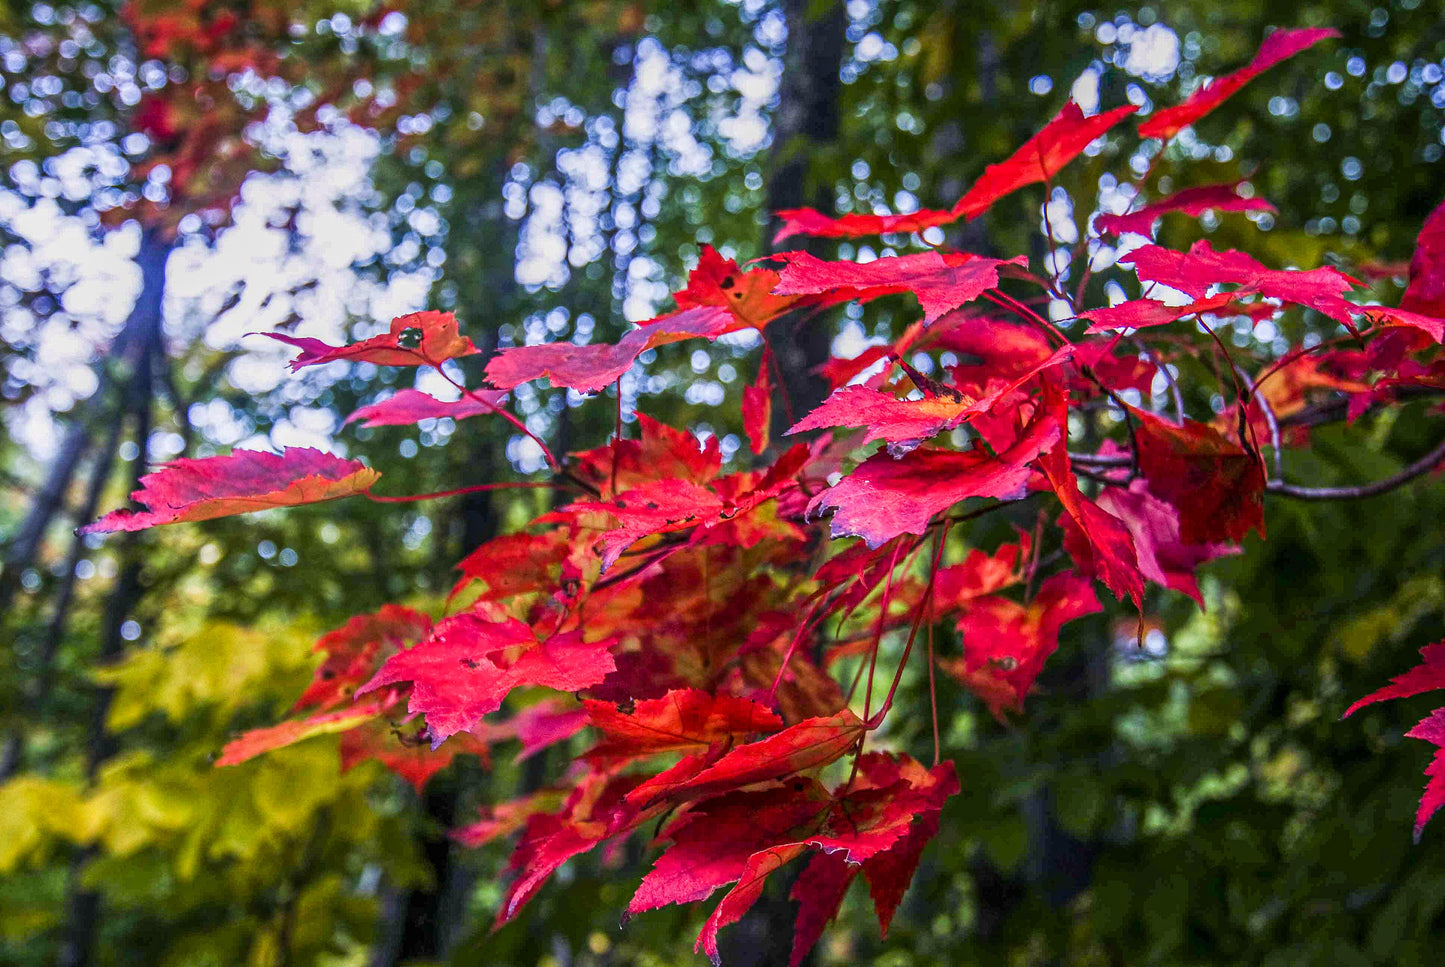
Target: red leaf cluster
{"points": [[699, 609]]}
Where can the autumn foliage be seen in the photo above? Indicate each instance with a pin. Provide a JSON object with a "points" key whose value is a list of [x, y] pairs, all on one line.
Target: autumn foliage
{"points": [[701, 613]]}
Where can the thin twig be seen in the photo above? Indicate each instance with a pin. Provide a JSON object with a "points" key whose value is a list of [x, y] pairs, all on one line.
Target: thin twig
{"points": [[1424, 465], [1269, 419]]}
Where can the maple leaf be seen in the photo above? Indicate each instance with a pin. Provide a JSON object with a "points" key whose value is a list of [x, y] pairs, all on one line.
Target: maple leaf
{"points": [[1098, 541], [1040, 157], [592, 367], [757, 405], [750, 296], [661, 452], [908, 421], [513, 564], [1154, 526], [977, 575], [1005, 644], [885, 497], [427, 338], [1432, 326], [744, 837], [1425, 293], [683, 720], [237, 483], [257, 741], [1147, 313], [1278, 46], [1427, 676], [1190, 201], [469, 664], [942, 283], [808, 744], [810, 221], [1195, 271], [408, 406], [410, 756], [594, 812], [1217, 486], [356, 649], [658, 507]]}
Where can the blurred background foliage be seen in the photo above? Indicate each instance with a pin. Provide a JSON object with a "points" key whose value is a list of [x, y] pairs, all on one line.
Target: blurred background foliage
{"points": [[178, 174]]}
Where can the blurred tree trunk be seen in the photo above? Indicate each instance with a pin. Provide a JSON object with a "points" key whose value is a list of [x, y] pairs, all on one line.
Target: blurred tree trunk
{"points": [[807, 122], [83, 917]]}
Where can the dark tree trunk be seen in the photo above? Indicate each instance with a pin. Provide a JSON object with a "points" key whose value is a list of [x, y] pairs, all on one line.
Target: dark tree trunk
{"points": [[143, 333], [808, 118]]}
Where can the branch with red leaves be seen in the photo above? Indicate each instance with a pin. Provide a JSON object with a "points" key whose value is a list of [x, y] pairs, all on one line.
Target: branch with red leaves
{"points": [[705, 616]]}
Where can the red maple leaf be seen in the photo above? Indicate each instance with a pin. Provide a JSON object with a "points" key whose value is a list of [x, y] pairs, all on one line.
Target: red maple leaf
{"points": [[469, 665], [1425, 294], [1278, 46], [592, 367], [683, 720], [885, 497], [427, 338], [810, 221], [942, 283], [1154, 526], [1195, 271], [757, 405], [408, 406], [1428, 676], [909, 421], [1040, 157], [808, 744], [1005, 644], [1190, 201], [1217, 486], [1147, 313], [1098, 541], [238, 483]]}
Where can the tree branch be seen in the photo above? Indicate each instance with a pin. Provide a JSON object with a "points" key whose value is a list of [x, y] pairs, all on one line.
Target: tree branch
{"points": [[1426, 463]]}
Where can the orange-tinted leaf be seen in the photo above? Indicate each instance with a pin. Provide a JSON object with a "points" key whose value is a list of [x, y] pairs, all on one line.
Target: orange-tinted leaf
{"points": [[427, 338], [257, 741], [750, 296], [1278, 46], [807, 745], [682, 720], [237, 483]]}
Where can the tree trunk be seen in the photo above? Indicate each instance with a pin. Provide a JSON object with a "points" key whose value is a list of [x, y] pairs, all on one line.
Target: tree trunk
{"points": [[142, 333], [808, 118]]}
